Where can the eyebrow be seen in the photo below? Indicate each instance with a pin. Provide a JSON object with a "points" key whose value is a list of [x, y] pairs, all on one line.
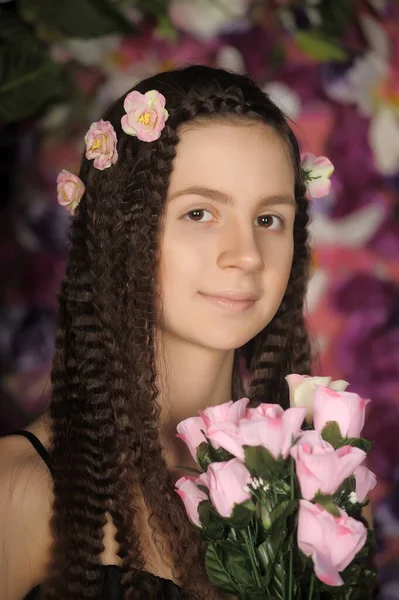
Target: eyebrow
{"points": [[224, 198]]}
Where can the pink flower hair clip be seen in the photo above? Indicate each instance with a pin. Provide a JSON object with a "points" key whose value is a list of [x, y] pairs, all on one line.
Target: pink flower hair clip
{"points": [[70, 189], [145, 115], [145, 118], [317, 172], [101, 143]]}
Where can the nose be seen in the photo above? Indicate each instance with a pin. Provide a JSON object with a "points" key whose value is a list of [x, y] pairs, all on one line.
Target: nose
{"points": [[238, 248]]}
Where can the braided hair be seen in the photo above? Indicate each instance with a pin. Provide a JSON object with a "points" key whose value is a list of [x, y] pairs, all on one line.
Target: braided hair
{"points": [[104, 441]]}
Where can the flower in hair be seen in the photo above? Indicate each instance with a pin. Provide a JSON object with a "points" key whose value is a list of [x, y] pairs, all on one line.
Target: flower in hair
{"points": [[70, 190], [145, 115], [317, 172], [101, 144]]}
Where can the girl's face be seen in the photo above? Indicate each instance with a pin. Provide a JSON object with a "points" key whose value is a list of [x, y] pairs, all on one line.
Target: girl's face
{"points": [[227, 244]]}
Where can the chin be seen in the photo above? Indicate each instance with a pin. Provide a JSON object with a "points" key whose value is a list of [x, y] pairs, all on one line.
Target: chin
{"points": [[223, 340]]}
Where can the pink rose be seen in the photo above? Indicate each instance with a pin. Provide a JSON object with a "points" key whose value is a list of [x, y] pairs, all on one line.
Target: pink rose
{"points": [[228, 413], [191, 495], [101, 144], [323, 468], [312, 438], [190, 432], [332, 542], [146, 115], [267, 425], [226, 482], [70, 190], [302, 388], [346, 408], [317, 173], [365, 481]]}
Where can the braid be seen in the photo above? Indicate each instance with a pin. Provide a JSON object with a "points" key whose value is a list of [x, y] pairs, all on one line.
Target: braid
{"points": [[83, 432]]}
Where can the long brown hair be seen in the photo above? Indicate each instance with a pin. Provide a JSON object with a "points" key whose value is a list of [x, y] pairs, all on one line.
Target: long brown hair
{"points": [[104, 436]]}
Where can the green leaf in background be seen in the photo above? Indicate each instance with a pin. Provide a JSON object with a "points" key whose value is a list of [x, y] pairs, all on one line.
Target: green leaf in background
{"points": [[320, 48], [73, 18], [327, 502], [261, 463], [337, 15], [29, 79], [159, 8], [331, 433]]}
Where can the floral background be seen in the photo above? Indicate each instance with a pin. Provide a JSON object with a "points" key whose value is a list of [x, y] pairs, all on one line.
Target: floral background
{"points": [[332, 65]]}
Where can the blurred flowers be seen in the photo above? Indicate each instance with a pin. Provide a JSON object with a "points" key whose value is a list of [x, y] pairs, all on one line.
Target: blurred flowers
{"points": [[204, 18]]}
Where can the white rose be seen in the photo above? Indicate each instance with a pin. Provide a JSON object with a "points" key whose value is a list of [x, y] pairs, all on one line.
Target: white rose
{"points": [[302, 387]]}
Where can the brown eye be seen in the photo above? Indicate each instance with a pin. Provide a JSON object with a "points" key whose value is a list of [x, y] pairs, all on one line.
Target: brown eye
{"points": [[266, 221], [197, 215]]}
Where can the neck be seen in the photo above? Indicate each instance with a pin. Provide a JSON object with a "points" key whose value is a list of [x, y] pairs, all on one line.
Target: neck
{"points": [[191, 378]]}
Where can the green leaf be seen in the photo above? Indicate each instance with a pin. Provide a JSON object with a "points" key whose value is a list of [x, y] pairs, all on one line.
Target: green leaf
{"points": [[361, 443], [188, 469], [216, 571], [242, 515], [204, 455], [29, 78], [266, 556], [213, 527], [282, 511], [331, 433], [320, 48], [238, 563], [75, 18], [327, 502], [261, 463], [159, 8], [276, 584], [337, 15]]}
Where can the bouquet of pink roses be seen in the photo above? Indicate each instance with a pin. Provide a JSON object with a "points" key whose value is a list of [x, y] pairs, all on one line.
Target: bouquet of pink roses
{"points": [[278, 494]]}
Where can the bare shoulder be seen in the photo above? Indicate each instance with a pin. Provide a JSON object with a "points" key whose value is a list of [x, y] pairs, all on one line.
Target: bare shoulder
{"points": [[25, 510]]}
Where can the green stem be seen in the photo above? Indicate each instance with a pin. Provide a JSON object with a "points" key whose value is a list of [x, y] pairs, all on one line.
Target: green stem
{"points": [[251, 553], [312, 580], [290, 584]]}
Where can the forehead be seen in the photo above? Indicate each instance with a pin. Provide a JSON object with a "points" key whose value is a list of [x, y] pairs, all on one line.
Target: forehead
{"points": [[232, 156]]}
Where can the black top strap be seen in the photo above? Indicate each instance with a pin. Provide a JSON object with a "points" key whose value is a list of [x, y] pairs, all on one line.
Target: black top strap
{"points": [[36, 443]]}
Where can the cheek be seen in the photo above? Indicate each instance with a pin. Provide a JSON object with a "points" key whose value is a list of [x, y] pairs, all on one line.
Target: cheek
{"points": [[180, 264], [277, 273]]}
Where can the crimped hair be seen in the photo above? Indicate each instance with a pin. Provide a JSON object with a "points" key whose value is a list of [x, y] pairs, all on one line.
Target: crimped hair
{"points": [[104, 440]]}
